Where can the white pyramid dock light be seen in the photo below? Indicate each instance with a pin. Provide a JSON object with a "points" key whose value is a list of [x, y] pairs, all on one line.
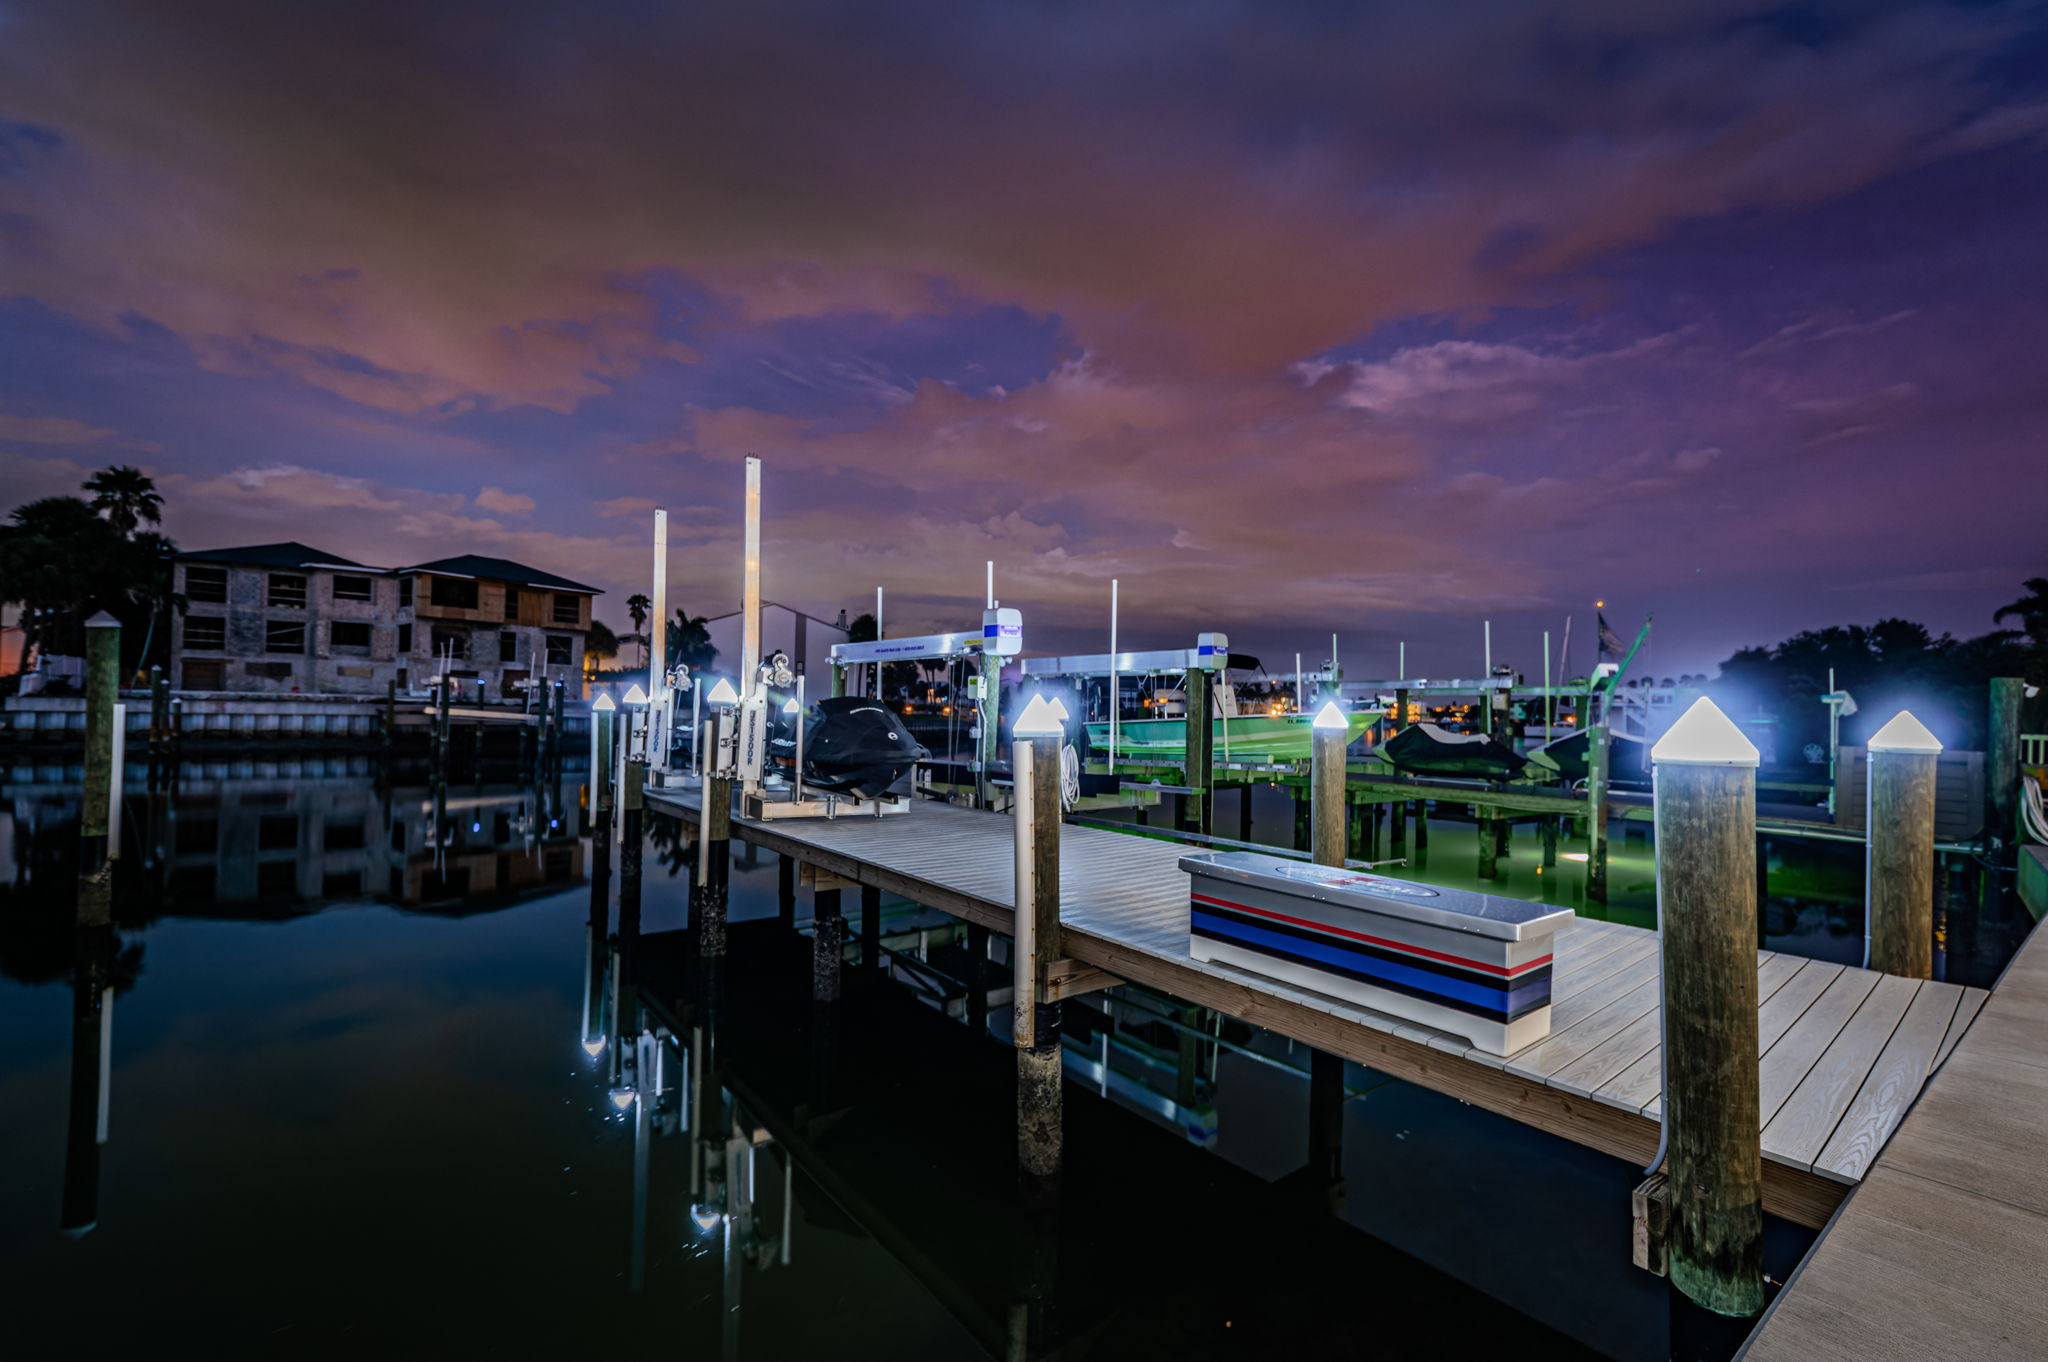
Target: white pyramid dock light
{"points": [[1329, 735], [723, 693], [1036, 735], [1899, 855], [1707, 925]]}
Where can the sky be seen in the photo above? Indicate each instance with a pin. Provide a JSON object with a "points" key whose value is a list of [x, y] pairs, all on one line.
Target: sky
{"points": [[1380, 320]]}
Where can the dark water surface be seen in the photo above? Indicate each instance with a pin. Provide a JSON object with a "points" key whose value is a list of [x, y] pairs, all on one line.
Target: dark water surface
{"points": [[351, 1111]]}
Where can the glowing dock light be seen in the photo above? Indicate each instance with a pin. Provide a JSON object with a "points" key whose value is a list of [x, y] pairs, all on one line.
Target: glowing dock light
{"points": [[789, 705], [723, 693], [594, 1046], [1329, 717], [603, 704], [1904, 734], [1058, 708], [622, 1098], [1704, 736], [1038, 720], [706, 1218], [636, 696]]}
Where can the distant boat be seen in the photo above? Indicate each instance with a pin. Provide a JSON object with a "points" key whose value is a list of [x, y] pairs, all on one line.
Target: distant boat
{"points": [[1428, 750], [1628, 758], [1275, 737]]}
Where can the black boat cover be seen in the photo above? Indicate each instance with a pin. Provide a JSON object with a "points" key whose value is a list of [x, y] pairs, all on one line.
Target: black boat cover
{"points": [[859, 746], [1426, 750]]}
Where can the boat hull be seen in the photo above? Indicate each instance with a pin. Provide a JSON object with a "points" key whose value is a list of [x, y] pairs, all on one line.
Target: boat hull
{"points": [[1281, 737]]}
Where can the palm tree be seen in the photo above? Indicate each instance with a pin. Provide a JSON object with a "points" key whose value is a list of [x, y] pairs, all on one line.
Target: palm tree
{"points": [[127, 496], [637, 607], [151, 584], [56, 559], [689, 642], [2031, 610]]}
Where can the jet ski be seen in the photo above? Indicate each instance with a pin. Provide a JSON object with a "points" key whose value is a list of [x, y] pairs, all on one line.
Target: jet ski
{"points": [[856, 746], [1427, 750]]}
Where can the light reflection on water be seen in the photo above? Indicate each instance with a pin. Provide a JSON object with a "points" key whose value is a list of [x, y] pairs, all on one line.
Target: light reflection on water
{"points": [[363, 1083]]}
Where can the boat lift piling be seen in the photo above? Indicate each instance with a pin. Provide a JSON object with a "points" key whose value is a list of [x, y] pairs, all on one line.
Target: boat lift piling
{"points": [[1035, 741], [1899, 880]]}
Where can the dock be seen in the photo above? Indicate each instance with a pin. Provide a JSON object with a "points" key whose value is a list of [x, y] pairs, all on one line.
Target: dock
{"points": [[1844, 1051], [1938, 1253]]}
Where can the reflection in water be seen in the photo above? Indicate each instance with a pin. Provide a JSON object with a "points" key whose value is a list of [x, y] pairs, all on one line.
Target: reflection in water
{"points": [[305, 1092]]}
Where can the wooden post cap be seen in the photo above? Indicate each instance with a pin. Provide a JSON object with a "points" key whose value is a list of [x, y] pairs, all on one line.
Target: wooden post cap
{"points": [[1904, 734], [1704, 736]]}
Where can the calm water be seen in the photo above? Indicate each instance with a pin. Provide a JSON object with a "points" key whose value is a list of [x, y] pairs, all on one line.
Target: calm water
{"points": [[351, 1106]]}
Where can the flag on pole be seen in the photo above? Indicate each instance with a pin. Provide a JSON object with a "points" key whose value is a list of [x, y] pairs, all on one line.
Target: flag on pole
{"points": [[1611, 647]]}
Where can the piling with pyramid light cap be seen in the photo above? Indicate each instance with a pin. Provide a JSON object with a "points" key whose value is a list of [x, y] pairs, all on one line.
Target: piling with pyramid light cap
{"points": [[1706, 920], [1329, 735], [1035, 738], [1899, 860]]}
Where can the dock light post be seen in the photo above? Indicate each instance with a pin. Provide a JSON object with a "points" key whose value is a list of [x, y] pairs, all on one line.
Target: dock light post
{"points": [[1706, 917], [714, 813], [1329, 734], [1035, 768], [1899, 866]]}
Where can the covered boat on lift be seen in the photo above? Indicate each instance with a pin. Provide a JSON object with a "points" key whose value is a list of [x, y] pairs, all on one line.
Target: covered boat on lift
{"points": [[1628, 759], [1427, 750]]}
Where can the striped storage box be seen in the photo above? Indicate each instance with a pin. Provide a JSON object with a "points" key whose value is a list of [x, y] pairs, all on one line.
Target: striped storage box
{"points": [[1474, 965]]}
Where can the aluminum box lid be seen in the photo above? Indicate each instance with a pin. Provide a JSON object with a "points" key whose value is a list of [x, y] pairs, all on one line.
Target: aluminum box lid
{"points": [[1458, 910]]}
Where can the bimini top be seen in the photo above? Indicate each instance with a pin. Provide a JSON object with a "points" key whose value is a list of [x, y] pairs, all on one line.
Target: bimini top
{"points": [[1459, 910]]}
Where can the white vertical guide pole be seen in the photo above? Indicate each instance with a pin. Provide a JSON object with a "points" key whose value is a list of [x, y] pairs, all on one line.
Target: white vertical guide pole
{"points": [[991, 583], [1489, 650], [1299, 706], [657, 652], [1404, 668], [120, 744], [1549, 702], [1023, 944], [875, 668], [1116, 680], [750, 599]]}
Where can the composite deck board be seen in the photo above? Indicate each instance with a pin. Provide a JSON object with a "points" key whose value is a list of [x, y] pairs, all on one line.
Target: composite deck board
{"points": [[1941, 1249], [1595, 1079]]}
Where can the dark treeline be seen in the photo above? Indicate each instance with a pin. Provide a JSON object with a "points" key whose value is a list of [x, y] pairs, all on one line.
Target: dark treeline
{"points": [[64, 559], [1890, 665]]}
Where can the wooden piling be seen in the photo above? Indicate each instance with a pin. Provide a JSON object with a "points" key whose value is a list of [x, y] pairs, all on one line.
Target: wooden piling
{"points": [[102, 688], [1706, 911], [1326, 792], [632, 816], [708, 896], [1397, 828], [1201, 751], [1326, 1125], [828, 945], [785, 890], [1036, 944], [1899, 858], [2002, 760], [1549, 842], [1596, 813], [974, 1007], [1421, 824], [1489, 843]]}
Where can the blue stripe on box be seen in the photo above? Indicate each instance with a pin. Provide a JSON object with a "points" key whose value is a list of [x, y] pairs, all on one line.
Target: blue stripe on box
{"points": [[1494, 1004]]}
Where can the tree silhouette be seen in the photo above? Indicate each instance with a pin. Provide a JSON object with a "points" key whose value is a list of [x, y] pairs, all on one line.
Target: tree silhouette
{"points": [[637, 608], [126, 496]]}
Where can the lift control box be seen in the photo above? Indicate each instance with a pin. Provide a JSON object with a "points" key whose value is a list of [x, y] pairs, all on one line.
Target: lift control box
{"points": [[1002, 632]]}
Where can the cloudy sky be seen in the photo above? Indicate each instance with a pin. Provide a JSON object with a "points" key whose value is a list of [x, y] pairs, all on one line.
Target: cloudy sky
{"points": [[1375, 319]]}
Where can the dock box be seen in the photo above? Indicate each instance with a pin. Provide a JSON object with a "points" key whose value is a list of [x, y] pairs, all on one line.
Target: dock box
{"points": [[1474, 965]]}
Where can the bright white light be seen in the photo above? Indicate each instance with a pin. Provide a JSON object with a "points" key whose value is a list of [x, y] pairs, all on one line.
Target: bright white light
{"points": [[636, 696], [1058, 708], [594, 1046], [1704, 736], [1037, 721], [1574, 856], [476, 827], [603, 704], [723, 693], [789, 705], [1905, 734], [705, 1217], [1330, 717], [622, 1098]]}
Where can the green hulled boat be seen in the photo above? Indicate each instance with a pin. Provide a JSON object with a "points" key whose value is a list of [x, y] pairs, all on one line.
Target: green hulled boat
{"points": [[1276, 737]]}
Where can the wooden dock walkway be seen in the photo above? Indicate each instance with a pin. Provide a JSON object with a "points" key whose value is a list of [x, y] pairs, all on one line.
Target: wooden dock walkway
{"points": [[1941, 1252], [1845, 1051]]}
